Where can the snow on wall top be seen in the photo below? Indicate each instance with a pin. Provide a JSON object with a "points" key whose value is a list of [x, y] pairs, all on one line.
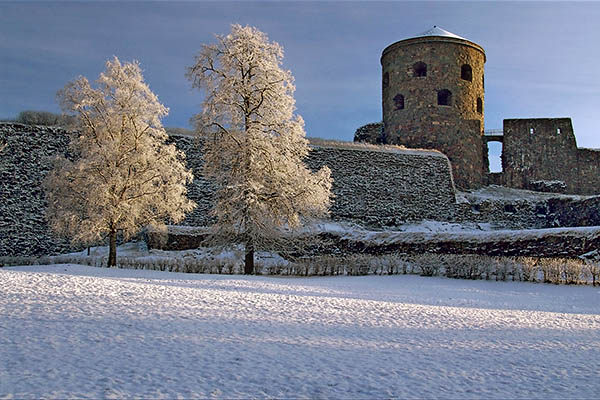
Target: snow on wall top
{"points": [[317, 142]]}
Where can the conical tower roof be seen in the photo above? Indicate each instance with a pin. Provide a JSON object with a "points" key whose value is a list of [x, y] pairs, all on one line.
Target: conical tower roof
{"points": [[437, 31], [435, 34]]}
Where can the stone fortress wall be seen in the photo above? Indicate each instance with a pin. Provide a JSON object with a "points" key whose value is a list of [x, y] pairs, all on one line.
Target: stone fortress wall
{"points": [[24, 163], [376, 186], [542, 154], [418, 75]]}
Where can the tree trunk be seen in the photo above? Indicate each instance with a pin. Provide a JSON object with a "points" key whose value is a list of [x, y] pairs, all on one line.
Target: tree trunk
{"points": [[249, 259], [112, 248]]}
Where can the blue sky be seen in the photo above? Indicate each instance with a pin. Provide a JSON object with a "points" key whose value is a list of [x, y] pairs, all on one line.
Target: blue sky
{"points": [[543, 58]]}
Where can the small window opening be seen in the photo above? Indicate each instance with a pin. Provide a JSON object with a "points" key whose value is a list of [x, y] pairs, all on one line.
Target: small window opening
{"points": [[444, 97], [531, 131], [479, 105], [483, 81], [466, 73], [420, 69], [399, 102], [386, 80], [558, 131]]}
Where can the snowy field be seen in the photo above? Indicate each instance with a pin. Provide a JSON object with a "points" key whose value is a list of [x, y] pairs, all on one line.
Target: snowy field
{"points": [[76, 331]]}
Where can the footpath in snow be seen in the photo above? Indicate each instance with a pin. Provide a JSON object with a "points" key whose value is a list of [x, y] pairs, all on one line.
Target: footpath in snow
{"points": [[76, 331]]}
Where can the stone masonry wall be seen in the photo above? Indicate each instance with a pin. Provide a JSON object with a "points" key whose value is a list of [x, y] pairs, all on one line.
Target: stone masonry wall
{"points": [[544, 150], [386, 187], [460, 141], [370, 133], [24, 163], [588, 171]]}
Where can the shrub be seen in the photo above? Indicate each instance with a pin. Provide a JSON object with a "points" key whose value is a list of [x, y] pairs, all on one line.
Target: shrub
{"points": [[572, 271], [593, 268], [464, 266], [529, 268], [44, 118], [428, 264]]}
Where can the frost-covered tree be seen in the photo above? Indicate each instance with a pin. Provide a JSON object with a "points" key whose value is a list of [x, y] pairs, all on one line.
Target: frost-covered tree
{"points": [[124, 176], [254, 145]]}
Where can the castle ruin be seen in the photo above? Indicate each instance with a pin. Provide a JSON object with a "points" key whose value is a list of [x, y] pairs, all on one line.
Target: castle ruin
{"points": [[433, 88]]}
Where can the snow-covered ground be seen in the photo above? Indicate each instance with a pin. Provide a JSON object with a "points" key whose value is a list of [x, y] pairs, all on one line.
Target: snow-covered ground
{"points": [[76, 331], [502, 193]]}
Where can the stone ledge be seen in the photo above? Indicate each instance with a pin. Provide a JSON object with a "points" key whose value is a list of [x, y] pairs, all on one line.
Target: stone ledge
{"points": [[558, 242]]}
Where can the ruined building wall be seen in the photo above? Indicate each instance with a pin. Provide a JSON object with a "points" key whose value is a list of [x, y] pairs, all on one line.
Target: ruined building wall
{"points": [[544, 150], [415, 73], [588, 167]]}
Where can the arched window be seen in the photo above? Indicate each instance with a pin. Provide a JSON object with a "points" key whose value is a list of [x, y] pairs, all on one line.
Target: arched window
{"points": [[444, 97], [399, 102], [386, 79], [466, 73], [479, 105], [419, 69]]}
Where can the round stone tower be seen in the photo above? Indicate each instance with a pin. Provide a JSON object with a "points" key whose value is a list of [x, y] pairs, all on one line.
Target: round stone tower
{"points": [[433, 88]]}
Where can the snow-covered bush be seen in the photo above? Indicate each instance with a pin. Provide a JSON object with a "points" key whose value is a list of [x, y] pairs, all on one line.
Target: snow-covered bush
{"points": [[428, 264], [464, 266], [592, 270], [387, 264], [572, 272], [231, 261], [529, 268], [358, 264], [551, 269], [46, 118]]}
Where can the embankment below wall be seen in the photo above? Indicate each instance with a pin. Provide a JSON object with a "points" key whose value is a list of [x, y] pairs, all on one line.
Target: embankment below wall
{"points": [[553, 242]]}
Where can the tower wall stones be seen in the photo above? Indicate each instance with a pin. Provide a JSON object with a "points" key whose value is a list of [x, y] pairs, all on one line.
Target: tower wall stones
{"points": [[433, 98]]}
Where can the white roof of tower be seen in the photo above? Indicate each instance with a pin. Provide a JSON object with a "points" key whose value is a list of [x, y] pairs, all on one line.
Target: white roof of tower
{"points": [[436, 31]]}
